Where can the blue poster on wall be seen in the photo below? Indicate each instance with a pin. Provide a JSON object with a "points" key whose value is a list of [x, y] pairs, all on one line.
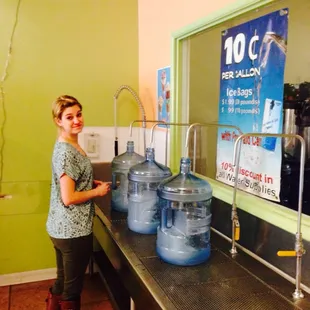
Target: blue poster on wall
{"points": [[163, 94], [251, 97]]}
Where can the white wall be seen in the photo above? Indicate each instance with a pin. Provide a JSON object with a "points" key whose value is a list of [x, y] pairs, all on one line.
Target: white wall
{"points": [[107, 134]]}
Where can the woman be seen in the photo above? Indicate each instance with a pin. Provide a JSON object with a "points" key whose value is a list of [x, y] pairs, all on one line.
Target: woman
{"points": [[70, 217]]}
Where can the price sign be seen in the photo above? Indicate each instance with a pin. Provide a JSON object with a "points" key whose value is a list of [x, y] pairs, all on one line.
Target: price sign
{"points": [[251, 90]]}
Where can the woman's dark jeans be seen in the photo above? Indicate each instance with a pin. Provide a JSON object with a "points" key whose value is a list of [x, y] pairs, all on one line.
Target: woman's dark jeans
{"points": [[72, 257]]}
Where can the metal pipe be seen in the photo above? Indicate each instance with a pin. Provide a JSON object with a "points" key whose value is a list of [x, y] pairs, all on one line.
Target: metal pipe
{"points": [[264, 262], [204, 125], [115, 131], [299, 249], [136, 97], [132, 304], [140, 121], [234, 214], [165, 124], [143, 121]]}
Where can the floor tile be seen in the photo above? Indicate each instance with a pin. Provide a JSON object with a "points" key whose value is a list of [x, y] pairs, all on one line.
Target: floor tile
{"points": [[4, 297], [94, 290], [102, 305], [30, 296]]}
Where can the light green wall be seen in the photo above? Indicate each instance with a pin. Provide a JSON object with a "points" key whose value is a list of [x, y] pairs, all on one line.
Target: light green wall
{"points": [[205, 53], [83, 48]]}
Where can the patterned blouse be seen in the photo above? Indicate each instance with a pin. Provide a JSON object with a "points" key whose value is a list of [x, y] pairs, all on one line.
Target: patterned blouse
{"points": [[74, 220]]}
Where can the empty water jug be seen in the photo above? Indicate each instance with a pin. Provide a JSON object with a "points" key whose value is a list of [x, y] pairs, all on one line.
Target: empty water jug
{"points": [[183, 237], [143, 209], [120, 168]]}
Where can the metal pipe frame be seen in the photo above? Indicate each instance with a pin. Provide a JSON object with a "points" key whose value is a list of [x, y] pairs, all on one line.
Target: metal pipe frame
{"points": [[132, 304], [141, 107], [299, 249], [166, 124], [144, 122], [141, 121], [194, 125], [217, 125], [234, 214], [207, 125]]}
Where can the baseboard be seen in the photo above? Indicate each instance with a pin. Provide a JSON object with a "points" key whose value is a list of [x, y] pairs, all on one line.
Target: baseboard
{"points": [[27, 276], [33, 276]]}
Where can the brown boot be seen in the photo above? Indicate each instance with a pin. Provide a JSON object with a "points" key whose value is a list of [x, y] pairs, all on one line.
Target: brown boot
{"points": [[52, 301], [70, 305]]}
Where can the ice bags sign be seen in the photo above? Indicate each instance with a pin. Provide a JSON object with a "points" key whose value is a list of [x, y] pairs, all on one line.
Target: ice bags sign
{"points": [[253, 57], [163, 95]]}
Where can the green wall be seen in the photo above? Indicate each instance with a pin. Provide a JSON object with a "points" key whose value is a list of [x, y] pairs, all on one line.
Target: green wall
{"points": [[83, 48]]}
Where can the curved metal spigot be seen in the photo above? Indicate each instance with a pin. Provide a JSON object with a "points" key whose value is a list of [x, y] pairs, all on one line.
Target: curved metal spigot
{"points": [[234, 214], [137, 99], [299, 249], [143, 121], [204, 125], [165, 124]]}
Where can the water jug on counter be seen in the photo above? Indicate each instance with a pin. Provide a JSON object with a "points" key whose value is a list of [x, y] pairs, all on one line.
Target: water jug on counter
{"points": [[143, 209], [183, 237], [120, 168]]}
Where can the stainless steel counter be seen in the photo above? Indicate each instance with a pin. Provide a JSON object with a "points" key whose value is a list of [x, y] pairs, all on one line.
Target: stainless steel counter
{"points": [[221, 283]]}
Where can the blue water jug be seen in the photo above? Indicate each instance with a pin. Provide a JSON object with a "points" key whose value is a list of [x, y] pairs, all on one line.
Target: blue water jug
{"points": [[183, 237], [120, 168], [143, 209]]}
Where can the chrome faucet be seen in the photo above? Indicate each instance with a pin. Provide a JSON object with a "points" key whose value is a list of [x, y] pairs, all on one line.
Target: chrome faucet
{"points": [[137, 99], [299, 249], [194, 125], [165, 124], [234, 213], [142, 121]]}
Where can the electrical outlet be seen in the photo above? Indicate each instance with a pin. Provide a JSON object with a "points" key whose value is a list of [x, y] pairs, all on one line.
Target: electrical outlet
{"points": [[92, 144]]}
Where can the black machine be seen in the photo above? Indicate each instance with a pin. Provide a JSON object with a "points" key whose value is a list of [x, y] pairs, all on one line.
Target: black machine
{"points": [[296, 120]]}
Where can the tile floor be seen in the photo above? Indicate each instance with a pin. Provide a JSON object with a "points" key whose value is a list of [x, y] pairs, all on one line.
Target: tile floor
{"points": [[31, 296]]}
